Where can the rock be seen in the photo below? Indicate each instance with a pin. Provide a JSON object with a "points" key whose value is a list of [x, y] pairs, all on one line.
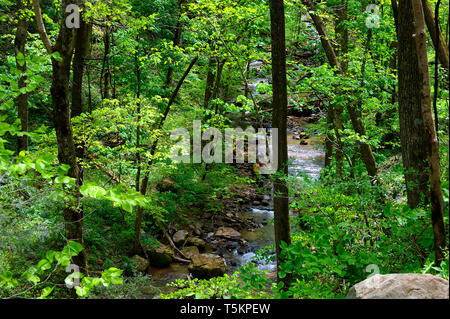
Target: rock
{"points": [[229, 233], [160, 256], [304, 54], [243, 242], [256, 203], [191, 251], [197, 228], [150, 291], [401, 286], [141, 263], [304, 135], [265, 202], [166, 185], [194, 241], [180, 237], [206, 266]]}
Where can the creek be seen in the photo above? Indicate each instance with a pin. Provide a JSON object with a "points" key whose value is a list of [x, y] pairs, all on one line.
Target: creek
{"points": [[307, 158]]}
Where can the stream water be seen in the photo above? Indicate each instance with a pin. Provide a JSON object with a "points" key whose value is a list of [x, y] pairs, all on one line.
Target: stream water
{"points": [[308, 159]]}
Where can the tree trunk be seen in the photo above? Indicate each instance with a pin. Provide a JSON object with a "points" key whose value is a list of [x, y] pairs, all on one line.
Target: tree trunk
{"points": [[279, 118], [105, 77], [355, 114], [431, 137], [209, 87], [82, 47], [437, 37], [412, 133], [144, 184], [73, 210], [176, 43], [220, 65], [22, 100]]}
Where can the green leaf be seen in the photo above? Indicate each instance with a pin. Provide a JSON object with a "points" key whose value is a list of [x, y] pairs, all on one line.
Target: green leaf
{"points": [[45, 292], [56, 56], [20, 58]]}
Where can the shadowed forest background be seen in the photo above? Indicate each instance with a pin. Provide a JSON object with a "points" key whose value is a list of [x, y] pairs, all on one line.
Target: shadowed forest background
{"points": [[358, 91]]}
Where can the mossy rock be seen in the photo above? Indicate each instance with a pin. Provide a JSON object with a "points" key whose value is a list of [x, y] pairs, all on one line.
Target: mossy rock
{"points": [[160, 256]]}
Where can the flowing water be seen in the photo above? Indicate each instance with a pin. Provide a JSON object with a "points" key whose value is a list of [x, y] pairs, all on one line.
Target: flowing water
{"points": [[308, 159]]}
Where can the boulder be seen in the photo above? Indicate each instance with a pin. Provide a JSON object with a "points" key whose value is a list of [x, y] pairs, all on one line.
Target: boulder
{"points": [[160, 256], [206, 266], [265, 202], [180, 237], [197, 228], [166, 185], [191, 251], [401, 286], [194, 241], [141, 263], [229, 233]]}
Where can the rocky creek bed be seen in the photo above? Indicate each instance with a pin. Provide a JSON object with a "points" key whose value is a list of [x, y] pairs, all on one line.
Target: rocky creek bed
{"points": [[221, 243]]}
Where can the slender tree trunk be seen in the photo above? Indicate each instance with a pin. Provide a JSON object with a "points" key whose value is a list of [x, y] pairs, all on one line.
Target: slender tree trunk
{"points": [[209, 87], [144, 184], [329, 141], [176, 43], [412, 132], [279, 118], [430, 131], [436, 68], [220, 65], [436, 34], [105, 76], [394, 7], [22, 100], [82, 48], [138, 129]]}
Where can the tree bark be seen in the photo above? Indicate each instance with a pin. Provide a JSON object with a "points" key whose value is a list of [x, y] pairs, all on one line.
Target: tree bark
{"points": [[279, 118], [209, 81], [73, 210], [176, 43], [412, 132], [355, 114], [431, 137], [82, 47], [438, 39]]}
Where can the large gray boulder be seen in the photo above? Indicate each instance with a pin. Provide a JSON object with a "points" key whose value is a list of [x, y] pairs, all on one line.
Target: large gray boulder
{"points": [[400, 286]]}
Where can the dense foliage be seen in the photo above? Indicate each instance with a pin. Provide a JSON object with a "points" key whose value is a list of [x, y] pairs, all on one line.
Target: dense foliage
{"points": [[150, 67]]}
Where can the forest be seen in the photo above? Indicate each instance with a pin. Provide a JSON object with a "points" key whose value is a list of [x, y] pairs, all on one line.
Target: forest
{"points": [[226, 149]]}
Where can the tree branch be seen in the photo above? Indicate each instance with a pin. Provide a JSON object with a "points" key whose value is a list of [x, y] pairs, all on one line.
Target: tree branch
{"points": [[41, 27]]}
